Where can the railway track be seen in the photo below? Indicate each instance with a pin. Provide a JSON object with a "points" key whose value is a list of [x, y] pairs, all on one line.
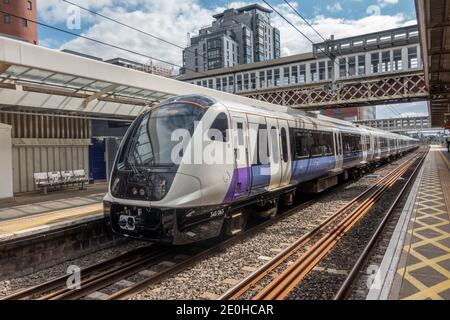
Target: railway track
{"points": [[279, 277], [138, 264], [111, 272]]}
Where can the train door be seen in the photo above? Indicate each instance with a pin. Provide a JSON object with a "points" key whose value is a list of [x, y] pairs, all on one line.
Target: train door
{"points": [[241, 155], [274, 146], [285, 155], [364, 138], [338, 150]]}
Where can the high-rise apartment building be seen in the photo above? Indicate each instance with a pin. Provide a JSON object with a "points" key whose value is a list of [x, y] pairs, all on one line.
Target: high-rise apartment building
{"points": [[237, 36]]}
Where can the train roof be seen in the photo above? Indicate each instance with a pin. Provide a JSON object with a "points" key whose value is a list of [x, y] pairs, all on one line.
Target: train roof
{"points": [[291, 114]]}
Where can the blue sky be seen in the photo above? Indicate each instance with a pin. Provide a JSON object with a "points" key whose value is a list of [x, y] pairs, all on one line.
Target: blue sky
{"points": [[173, 19]]}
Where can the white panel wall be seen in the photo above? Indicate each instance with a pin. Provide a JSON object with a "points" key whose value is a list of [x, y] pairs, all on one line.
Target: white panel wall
{"points": [[6, 185]]}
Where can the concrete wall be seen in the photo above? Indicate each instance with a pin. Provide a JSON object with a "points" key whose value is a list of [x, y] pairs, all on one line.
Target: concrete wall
{"points": [[6, 185]]}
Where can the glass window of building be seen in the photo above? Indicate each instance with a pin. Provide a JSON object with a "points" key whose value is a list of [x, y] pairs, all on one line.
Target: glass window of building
{"points": [[413, 61], [269, 78], [231, 83], [276, 77], [361, 65], [322, 70], [262, 79], [342, 68], [239, 82], [286, 77], [224, 84], [398, 63], [385, 61], [352, 66], [210, 83], [294, 74], [313, 70], [6, 19], [330, 69], [253, 81], [218, 84], [24, 23], [302, 73], [246, 86], [375, 62]]}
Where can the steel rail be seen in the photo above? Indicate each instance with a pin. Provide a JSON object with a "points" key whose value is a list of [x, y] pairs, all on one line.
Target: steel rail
{"points": [[245, 285], [345, 288], [237, 291], [282, 285], [85, 272], [108, 277]]}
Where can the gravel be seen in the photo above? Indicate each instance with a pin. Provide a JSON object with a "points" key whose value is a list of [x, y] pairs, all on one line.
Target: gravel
{"points": [[327, 277]]}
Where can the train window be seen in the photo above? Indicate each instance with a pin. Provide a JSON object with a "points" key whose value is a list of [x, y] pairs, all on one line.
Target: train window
{"points": [[352, 143], [240, 133], [327, 143], [284, 145], [301, 144], [262, 144], [274, 141], [316, 144], [220, 124]]}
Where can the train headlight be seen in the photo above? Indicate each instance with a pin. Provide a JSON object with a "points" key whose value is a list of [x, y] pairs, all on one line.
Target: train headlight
{"points": [[134, 191], [142, 192]]}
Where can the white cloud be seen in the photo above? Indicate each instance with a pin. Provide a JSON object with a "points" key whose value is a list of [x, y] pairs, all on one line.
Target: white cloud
{"points": [[387, 2], [172, 20], [336, 7], [413, 109]]}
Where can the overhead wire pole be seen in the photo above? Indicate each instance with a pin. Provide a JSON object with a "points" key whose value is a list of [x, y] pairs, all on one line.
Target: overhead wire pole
{"points": [[327, 49]]}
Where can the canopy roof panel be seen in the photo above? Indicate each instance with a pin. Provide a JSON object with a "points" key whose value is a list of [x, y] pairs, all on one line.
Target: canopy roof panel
{"points": [[33, 76]]}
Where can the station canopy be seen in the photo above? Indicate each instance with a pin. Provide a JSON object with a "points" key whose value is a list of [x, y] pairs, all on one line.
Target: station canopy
{"points": [[434, 25], [37, 77]]}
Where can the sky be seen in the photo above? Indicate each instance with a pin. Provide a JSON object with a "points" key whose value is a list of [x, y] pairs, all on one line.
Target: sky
{"points": [[174, 19]]}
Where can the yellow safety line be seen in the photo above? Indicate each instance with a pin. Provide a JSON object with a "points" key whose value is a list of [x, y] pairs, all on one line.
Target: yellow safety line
{"points": [[20, 224]]}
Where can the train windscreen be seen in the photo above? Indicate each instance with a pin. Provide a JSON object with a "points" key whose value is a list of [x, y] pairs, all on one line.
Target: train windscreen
{"points": [[151, 144]]}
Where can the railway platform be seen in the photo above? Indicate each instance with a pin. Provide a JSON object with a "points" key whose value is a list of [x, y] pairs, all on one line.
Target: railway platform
{"points": [[416, 265], [32, 214]]}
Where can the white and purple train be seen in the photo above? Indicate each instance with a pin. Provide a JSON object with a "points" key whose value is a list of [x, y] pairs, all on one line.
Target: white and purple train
{"points": [[194, 168]]}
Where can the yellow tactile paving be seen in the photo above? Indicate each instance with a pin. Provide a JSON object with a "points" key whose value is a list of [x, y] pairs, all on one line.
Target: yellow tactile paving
{"points": [[20, 224], [426, 274]]}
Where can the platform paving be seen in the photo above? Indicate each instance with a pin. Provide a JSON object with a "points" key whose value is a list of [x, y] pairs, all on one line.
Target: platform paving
{"points": [[416, 265], [29, 216], [32, 204]]}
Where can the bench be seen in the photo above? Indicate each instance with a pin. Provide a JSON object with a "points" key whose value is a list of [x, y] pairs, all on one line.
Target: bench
{"points": [[57, 179]]}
